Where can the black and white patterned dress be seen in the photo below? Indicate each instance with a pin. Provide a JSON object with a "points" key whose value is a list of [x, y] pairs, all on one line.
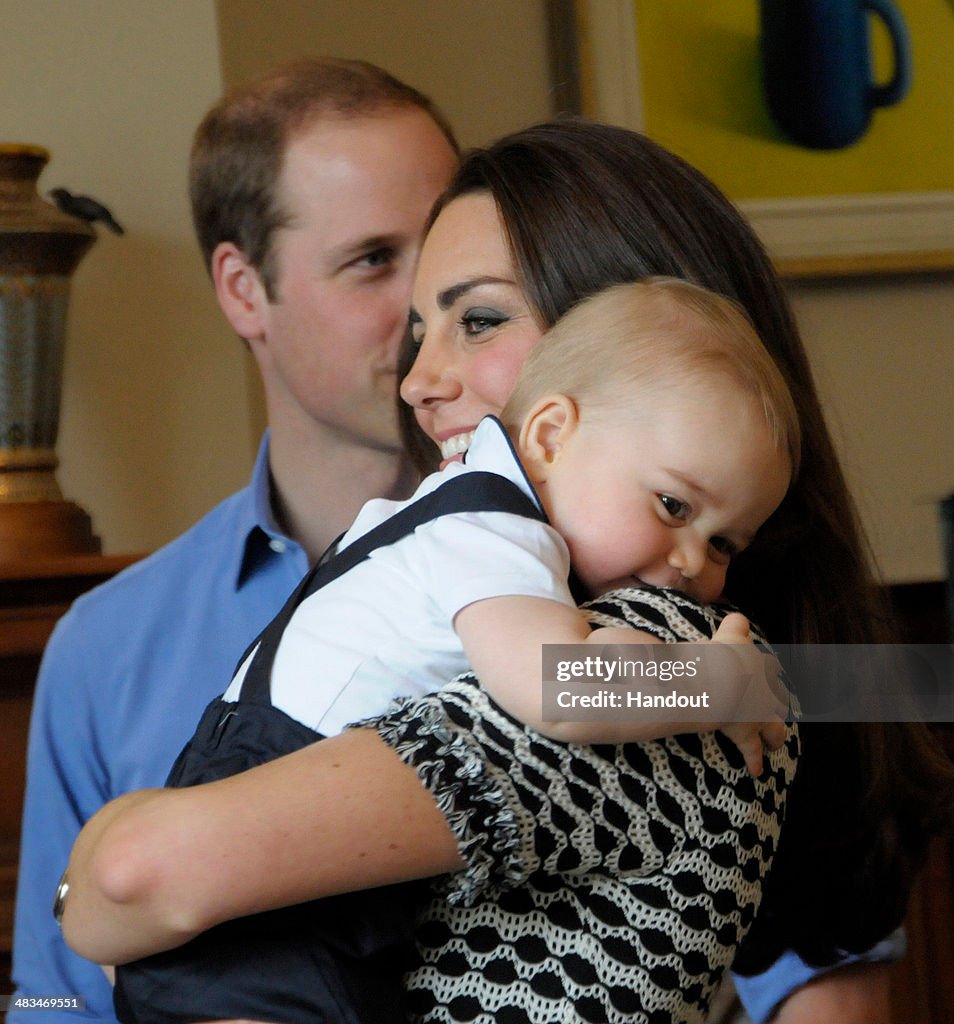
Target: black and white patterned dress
{"points": [[605, 884]]}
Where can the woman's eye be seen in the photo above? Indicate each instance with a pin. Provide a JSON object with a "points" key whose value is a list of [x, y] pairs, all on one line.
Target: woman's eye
{"points": [[674, 507], [415, 329], [476, 321]]}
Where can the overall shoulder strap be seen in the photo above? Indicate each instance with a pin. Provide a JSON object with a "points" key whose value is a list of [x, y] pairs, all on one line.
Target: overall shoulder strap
{"points": [[478, 491]]}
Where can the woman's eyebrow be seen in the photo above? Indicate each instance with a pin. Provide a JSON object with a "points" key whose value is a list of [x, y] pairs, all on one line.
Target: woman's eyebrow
{"points": [[449, 296]]}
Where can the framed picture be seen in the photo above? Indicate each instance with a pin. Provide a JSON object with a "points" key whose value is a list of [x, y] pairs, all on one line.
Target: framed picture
{"points": [[690, 75]]}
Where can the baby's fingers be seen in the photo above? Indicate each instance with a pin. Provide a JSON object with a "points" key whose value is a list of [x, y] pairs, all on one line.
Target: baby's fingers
{"points": [[773, 735], [733, 629], [747, 737]]}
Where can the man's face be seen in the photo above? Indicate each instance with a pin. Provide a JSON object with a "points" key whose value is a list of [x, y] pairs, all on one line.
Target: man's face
{"points": [[356, 194]]}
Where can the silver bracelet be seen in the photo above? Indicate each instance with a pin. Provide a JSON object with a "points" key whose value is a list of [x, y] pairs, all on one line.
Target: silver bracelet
{"points": [[59, 900]]}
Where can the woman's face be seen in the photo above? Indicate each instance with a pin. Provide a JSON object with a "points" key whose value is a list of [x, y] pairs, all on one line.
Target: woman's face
{"points": [[471, 321]]}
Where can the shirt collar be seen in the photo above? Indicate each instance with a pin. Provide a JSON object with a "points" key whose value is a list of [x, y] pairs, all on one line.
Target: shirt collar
{"points": [[258, 531], [492, 449]]}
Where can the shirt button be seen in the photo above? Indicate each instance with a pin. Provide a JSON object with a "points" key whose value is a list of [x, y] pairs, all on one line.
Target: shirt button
{"points": [[278, 545]]}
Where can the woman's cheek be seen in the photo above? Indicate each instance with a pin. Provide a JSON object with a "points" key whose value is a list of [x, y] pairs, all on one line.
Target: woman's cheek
{"points": [[496, 375]]}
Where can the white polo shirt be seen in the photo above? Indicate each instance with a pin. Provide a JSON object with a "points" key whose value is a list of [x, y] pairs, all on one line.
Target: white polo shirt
{"points": [[384, 629]]}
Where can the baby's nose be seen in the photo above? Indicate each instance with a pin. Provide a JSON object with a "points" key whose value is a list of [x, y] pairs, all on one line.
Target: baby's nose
{"points": [[689, 557]]}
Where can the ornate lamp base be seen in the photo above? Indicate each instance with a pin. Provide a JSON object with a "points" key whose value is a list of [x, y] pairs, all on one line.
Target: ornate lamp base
{"points": [[45, 529], [35, 520]]}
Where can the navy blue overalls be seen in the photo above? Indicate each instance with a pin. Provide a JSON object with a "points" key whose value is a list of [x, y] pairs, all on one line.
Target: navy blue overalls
{"points": [[339, 959]]}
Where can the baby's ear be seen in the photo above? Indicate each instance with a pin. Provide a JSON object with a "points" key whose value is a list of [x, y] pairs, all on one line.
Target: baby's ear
{"points": [[545, 431]]}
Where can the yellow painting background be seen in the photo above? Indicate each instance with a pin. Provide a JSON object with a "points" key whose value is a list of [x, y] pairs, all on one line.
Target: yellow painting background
{"points": [[701, 97]]}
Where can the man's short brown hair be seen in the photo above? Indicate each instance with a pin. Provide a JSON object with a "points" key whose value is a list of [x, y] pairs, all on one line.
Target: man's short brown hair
{"points": [[238, 149]]}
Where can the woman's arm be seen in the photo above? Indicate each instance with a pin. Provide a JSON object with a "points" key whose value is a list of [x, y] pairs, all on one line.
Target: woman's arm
{"points": [[155, 868]]}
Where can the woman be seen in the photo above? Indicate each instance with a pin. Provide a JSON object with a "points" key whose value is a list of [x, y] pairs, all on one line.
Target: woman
{"points": [[581, 206], [587, 205]]}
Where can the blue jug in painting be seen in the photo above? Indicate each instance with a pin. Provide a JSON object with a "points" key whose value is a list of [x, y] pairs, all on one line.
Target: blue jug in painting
{"points": [[817, 70]]}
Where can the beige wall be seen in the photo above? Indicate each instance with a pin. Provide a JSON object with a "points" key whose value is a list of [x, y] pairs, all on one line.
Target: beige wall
{"points": [[157, 423], [483, 61], [154, 421], [883, 353]]}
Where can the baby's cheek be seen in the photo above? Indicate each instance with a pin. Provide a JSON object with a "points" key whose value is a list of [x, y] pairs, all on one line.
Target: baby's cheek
{"points": [[710, 587]]}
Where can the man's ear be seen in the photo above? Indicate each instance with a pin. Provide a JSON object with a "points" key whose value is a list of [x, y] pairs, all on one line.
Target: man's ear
{"points": [[240, 291], [545, 431]]}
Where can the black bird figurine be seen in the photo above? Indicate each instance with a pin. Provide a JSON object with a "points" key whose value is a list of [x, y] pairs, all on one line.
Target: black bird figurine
{"points": [[85, 208]]}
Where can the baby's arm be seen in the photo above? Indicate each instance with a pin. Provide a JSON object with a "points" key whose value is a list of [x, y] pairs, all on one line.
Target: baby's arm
{"points": [[502, 638]]}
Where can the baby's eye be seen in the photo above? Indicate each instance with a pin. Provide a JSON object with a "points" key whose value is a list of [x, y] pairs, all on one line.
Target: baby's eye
{"points": [[723, 548], [674, 507], [476, 321]]}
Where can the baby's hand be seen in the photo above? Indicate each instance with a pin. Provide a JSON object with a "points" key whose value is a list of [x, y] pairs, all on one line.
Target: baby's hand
{"points": [[763, 696], [733, 629], [753, 739]]}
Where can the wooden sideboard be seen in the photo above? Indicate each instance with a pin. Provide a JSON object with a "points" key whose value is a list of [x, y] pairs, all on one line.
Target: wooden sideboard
{"points": [[33, 596]]}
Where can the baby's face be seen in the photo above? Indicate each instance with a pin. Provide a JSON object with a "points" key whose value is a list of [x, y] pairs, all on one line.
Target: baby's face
{"points": [[665, 491]]}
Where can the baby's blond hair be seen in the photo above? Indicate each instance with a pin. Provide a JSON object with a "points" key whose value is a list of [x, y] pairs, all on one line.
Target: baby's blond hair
{"points": [[656, 331]]}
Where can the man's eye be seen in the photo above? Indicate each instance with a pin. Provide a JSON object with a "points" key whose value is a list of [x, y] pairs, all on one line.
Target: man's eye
{"points": [[476, 321], [674, 507], [378, 258]]}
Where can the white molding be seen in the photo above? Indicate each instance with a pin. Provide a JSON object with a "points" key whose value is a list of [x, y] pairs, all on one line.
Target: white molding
{"points": [[846, 226], [609, 26]]}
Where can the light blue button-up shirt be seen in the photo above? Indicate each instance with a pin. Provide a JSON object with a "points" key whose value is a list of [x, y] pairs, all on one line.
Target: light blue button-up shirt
{"points": [[762, 993], [125, 677]]}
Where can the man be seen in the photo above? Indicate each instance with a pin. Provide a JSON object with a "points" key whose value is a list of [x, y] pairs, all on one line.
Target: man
{"points": [[310, 189]]}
